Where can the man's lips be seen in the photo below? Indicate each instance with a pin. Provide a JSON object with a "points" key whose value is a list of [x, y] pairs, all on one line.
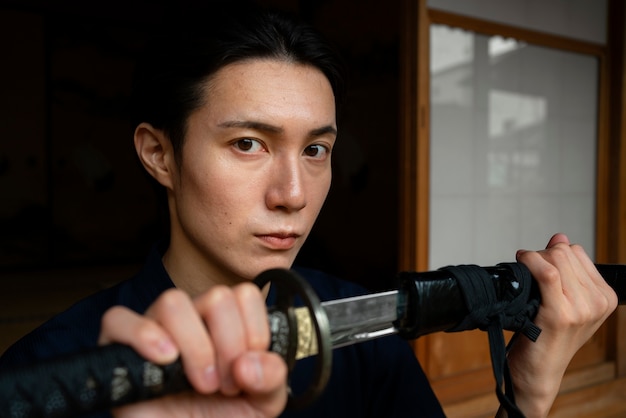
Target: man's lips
{"points": [[279, 241]]}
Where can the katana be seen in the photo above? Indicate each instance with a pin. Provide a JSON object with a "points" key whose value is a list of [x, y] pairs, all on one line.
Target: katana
{"points": [[451, 299]]}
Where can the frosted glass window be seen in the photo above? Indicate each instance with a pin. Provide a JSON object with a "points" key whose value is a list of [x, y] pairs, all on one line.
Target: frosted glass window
{"points": [[513, 147]]}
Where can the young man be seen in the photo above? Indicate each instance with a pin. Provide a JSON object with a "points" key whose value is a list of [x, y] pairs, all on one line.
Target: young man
{"points": [[236, 119]]}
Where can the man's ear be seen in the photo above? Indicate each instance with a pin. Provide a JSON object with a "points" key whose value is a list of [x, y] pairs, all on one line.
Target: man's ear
{"points": [[156, 154]]}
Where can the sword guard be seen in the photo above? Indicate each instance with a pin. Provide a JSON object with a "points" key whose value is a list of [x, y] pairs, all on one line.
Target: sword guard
{"points": [[284, 322]]}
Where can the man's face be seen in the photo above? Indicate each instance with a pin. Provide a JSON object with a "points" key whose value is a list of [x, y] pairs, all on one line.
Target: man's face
{"points": [[255, 169]]}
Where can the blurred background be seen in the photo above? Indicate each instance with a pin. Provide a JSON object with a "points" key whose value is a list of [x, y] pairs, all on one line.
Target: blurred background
{"points": [[72, 191]]}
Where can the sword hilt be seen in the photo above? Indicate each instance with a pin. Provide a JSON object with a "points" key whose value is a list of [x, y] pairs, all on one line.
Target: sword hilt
{"points": [[97, 379]]}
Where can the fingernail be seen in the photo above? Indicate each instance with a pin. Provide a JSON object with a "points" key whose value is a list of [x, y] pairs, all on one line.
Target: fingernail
{"points": [[166, 347], [255, 372], [210, 377], [258, 373]]}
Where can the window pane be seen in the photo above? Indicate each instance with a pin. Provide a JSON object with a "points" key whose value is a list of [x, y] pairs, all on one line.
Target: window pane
{"points": [[513, 147]]}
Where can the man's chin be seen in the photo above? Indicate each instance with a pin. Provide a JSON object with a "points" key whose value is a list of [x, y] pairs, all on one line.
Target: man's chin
{"points": [[276, 263]]}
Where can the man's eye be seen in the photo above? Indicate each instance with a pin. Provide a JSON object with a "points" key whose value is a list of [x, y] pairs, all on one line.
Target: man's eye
{"points": [[316, 151], [248, 145]]}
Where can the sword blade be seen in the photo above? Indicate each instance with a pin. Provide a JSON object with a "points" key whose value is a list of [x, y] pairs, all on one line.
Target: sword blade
{"points": [[352, 320]]}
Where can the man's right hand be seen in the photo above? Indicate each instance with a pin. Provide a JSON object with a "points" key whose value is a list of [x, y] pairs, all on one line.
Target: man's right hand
{"points": [[222, 337]]}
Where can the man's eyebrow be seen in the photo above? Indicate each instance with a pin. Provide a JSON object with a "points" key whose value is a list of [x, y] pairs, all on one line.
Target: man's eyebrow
{"points": [[324, 130], [260, 126], [250, 124]]}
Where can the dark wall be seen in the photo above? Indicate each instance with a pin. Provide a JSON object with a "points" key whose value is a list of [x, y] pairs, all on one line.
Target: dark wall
{"points": [[72, 191]]}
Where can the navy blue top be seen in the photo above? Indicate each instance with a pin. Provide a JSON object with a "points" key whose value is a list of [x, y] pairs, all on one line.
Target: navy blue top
{"points": [[371, 379]]}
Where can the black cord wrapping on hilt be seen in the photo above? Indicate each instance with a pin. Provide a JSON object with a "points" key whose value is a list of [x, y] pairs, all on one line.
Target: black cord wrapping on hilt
{"points": [[97, 379], [493, 307]]}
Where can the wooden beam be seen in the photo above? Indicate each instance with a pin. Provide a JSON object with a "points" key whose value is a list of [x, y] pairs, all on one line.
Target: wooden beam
{"points": [[487, 27]]}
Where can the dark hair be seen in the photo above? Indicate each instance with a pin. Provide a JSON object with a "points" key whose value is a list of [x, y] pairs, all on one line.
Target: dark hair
{"points": [[170, 76]]}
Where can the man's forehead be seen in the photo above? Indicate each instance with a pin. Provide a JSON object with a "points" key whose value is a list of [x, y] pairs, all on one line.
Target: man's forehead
{"points": [[250, 73], [264, 94]]}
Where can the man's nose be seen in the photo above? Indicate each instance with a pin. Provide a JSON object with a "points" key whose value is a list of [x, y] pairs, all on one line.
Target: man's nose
{"points": [[286, 189]]}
